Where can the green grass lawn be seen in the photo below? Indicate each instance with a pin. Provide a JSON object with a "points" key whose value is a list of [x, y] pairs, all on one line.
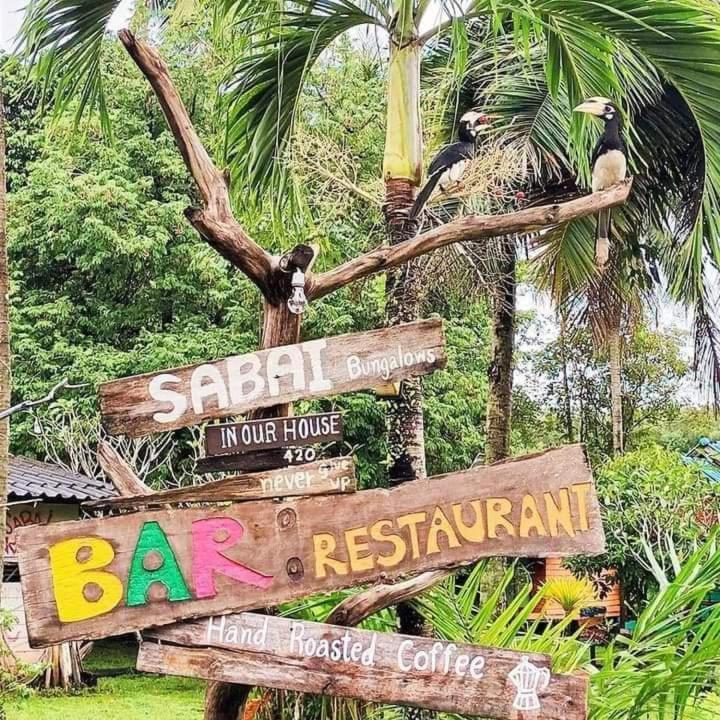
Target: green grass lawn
{"points": [[126, 697], [120, 698]]}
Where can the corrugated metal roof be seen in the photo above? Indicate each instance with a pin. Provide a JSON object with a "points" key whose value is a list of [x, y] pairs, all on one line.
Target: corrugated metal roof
{"points": [[39, 480]]}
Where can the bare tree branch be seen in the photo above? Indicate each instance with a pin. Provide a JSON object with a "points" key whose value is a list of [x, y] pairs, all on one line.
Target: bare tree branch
{"points": [[467, 229], [26, 405], [355, 608], [121, 475], [215, 222]]}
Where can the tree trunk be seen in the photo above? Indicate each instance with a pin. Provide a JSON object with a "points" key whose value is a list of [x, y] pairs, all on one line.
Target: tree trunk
{"points": [[615, 356], [4, 331], [226, 701], [64, 670], [405, 426], [567, 403], [402, 169], [500, 372]]}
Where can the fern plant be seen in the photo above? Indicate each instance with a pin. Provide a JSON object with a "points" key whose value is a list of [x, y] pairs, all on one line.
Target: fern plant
{"points": [[570, 593]]}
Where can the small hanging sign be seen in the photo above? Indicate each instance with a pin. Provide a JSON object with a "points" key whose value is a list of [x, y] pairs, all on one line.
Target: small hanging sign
{"points": [[230, 439], [324, 477], [257, 460]]}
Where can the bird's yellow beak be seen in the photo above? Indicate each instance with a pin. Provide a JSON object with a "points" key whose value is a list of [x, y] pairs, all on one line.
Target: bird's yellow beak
{"points": [[594, 106]]}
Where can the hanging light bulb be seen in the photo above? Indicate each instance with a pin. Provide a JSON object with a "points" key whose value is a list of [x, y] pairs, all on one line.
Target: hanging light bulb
{"points": [[37, 428], [297, 301]]}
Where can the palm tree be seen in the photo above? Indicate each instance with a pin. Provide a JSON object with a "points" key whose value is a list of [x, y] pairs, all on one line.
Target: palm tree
{"points": [[662, 223]]}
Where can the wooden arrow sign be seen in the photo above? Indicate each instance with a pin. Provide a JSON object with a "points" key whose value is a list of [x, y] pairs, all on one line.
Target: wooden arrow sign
{"points": [[324, 477], [93, 578], [151, 403], [288, 654]]}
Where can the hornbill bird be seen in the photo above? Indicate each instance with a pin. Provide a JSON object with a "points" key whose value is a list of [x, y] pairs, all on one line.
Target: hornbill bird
{"points": [[609, 165], [449, 164]]}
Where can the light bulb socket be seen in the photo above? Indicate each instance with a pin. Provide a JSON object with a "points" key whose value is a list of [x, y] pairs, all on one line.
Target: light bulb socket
{"points": [[297, 301]]}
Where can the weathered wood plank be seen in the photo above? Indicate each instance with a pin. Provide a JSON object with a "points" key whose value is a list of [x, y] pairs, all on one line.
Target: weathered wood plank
{"points": [[296, 430], [380, 667], [172, 399], [246, 463], [324, 477], [258, 554]]}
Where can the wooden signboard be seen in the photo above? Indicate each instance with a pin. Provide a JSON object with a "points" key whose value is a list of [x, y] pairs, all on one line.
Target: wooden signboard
{"points": [[256, 461], [324, 477], [230, 439], [312, 657], [185, 396], [93, 578]]}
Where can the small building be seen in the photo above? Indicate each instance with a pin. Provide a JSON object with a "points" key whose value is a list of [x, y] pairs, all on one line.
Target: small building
{"points": [[608, 607], [39, 493]]}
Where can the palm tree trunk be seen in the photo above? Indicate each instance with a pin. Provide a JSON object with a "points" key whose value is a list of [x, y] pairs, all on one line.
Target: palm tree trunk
{"points": [[402, 170], [4, 331], [615, 356], [500, 372], [405, 425]]}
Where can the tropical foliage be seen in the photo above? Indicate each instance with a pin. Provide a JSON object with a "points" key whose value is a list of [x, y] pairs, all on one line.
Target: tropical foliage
{"points": [[656, 510], [108, 279], [663, 671], [572, 391]]}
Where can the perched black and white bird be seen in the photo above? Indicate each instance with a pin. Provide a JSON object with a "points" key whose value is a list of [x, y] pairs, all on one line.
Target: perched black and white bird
{"points": [[450, 163], [609, 165]]}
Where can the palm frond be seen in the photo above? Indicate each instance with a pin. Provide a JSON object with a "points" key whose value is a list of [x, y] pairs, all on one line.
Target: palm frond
{"points": [[62, 40], [462, 610], [665, 669], [681, 40], [262, 91], [656, 229]]}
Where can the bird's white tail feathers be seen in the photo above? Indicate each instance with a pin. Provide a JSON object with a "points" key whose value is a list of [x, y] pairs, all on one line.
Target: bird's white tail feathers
{"points": [[602, 241]]}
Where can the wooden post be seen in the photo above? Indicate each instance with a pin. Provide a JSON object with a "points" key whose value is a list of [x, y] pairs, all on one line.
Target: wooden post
{"points": [[225, 701]]}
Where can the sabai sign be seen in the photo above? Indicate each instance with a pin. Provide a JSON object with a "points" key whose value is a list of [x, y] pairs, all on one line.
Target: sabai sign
{"points": [[312, 657], [94, 578], [177, 398]]}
